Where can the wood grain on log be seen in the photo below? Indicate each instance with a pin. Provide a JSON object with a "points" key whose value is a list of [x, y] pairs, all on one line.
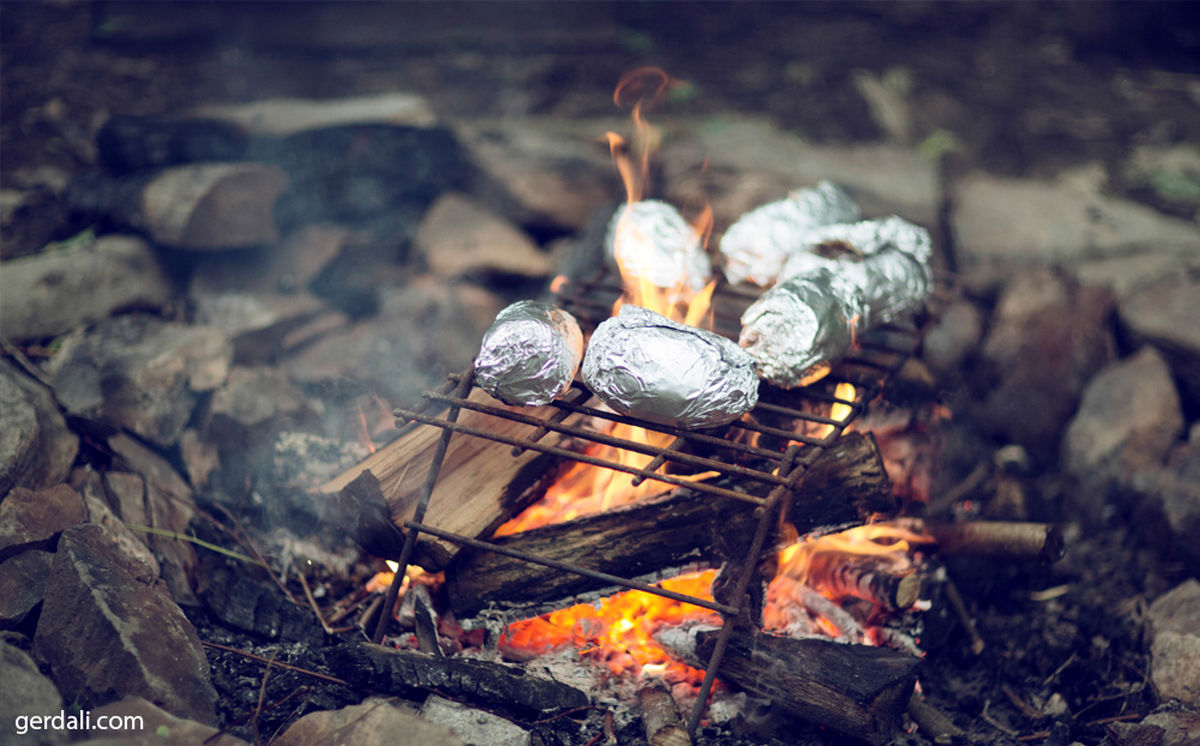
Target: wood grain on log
{"points": [[857, 689], [847, 484], [480, 485]]}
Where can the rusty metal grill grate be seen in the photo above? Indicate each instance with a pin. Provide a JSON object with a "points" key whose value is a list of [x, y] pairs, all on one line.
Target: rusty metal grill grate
{"points": [[765, 475]]}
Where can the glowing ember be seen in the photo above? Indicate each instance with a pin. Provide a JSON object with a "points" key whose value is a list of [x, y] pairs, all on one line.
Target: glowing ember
{"points": [[619, 630], [380, 581]]}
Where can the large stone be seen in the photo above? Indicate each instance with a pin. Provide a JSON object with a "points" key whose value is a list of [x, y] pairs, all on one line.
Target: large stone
{"points": [[95, 490], [474, 727], [22, 583], [141, 373], [1128, 419], [258, 324], [375, 721], [109, 630], [1175, 643], [460, 237], [1048, 337], [750, 161], [34, 519], [211, 206], [1165, 315], [53, 292], [36, 448], [543, 171], [153, 495], [25, 692], [1130, 273], [283, 267], [251, 400], [1002, 223], [158, 727], [1169, 725], [1172, 496]]}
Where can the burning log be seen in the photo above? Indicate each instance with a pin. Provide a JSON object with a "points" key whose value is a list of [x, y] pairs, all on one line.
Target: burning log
{"points": [[480, 486], [406, 673], [857, 689], [867, 577], [846, 485], [1000, 540]]}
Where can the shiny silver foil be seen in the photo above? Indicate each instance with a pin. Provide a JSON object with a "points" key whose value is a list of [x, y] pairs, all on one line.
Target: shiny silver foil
{"points": [[652, 240], [645, 365], [795, 330], [530, 354], [887, 259], [756, 246]]}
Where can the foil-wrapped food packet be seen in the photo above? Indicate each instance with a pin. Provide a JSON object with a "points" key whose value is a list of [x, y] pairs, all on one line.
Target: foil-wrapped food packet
{"points": [[795, 330], [530, 354], [651, 240], [887, 259], [641, 363], [758, 243]]}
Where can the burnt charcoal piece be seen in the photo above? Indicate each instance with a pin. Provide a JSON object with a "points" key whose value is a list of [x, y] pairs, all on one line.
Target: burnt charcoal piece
{"points": [[493, 685], [357, 172], [126, 144], [249, 601]]}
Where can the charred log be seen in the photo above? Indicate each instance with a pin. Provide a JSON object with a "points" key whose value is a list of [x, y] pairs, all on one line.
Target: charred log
{"points": [[408, 673], [847, 484], [857, 689], [1000, 539]]}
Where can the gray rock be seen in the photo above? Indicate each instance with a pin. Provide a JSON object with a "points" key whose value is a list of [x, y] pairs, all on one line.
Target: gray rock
{"points": [[34, 519], [474, 727], [1130, 273], [158, 727], [141, 373], [1128, 419], [156, 496], [286, 116], [257, 324], [1047, 339], [754, 161], [542, 170], [1172, 495], [1165, 316], [953, 337], [25, 692], [95, 501], [250, 399], [138, 641], [36, 448], [458, 237], [1002, 223], [22, 583], [1174, 620], [375, 721], [1169, 725], [53, 292]]}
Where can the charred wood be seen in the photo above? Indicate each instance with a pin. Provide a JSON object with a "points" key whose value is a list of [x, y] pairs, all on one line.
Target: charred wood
{"points": [[1000, 540], [857, 689], [864, 576], [481, 485], [847, 484], [408, 673]]}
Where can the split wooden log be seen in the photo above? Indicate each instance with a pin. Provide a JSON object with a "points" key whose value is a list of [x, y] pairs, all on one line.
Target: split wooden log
{"points": [[857, 689], [202, 206], [480, 485], [484, 683], [846, 485], [660, 717]]}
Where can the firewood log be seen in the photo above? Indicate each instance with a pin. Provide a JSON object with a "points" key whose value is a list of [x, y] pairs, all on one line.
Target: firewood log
{"points": [[847, 484]]}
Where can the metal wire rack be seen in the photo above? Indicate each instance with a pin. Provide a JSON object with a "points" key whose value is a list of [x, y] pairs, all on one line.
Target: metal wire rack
{"points": [[768, 451]]}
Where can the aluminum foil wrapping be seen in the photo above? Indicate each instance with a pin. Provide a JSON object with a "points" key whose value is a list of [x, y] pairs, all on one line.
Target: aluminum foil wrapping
{"points": [[795, 330], [645, 365], [887, 259], [652, 240], [530, 354], [756, 246]]}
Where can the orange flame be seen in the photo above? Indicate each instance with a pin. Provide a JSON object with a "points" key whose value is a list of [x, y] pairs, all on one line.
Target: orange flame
{"points": [[619, 630]]}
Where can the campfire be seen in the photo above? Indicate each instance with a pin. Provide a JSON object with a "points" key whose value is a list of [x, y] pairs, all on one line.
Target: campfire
{"points": [[326, 411], [590, 498]]}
